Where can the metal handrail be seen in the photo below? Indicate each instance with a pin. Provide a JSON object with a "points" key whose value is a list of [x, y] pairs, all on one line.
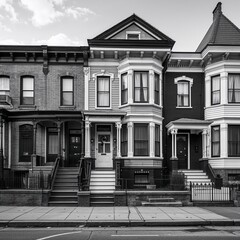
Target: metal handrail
{"points": [[211, 173], [80, 175], [54, 172]]}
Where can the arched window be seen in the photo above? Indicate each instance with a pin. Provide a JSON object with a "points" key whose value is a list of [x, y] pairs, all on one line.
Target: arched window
{"points": [[25, 142]]}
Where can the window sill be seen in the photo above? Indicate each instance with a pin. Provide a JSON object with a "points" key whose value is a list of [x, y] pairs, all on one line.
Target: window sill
{"points": [[140, 104], [103, 108], [184, 107], [22, 107], [67, 107]]}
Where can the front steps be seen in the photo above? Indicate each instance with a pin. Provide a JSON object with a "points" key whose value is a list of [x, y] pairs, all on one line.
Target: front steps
{"points": [[195, 177], [162, 202], [65, 188], [102, 186]]}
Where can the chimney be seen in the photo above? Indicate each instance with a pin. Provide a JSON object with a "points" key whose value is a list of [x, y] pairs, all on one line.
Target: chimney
{"points": [[217, 11]]}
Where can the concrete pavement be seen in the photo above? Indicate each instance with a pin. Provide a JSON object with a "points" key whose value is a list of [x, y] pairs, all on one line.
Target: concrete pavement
{"points": [[12, 216]]}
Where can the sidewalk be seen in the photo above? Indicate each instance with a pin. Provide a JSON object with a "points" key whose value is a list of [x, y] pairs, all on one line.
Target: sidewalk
{"points": [[11, 216]]}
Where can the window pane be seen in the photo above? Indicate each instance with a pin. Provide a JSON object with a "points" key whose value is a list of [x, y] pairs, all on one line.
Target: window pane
{"points": [[140, 139], [27, 101], [67, 84], [67, 98], [27, 83], [124, 89], [27, 94], [103, 84], [4, 84], [233, 88], [103, 99], [53, 144], [215, 141], [234, 141]]}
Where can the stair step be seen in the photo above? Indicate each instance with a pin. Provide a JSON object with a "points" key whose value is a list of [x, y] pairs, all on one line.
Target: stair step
{"points": [[63, 198], [102, 191], [102, 204], [162, 204], [102, 183], [161, 199], [63, 203]]}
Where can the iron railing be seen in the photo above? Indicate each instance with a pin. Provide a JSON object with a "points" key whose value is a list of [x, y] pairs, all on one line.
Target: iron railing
{"points": [[84, 174], [54, 172]]}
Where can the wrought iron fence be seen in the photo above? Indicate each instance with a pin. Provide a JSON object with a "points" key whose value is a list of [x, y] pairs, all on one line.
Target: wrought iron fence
{"points": [[209, 193]]}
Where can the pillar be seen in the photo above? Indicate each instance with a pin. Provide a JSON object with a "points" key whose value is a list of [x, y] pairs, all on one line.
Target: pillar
{"points": [[223, 140], [87, 138], [224, 87], [34, 155], [151, 86], [204, 143], [152, 139], [1, 155], [59, 138], [130, 139], [130, 86], [161, 142], [174, 159], [119, 126]]}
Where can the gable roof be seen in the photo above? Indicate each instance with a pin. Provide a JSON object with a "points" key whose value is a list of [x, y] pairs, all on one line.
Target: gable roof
{"points": [[221, 32], [105, 37]]}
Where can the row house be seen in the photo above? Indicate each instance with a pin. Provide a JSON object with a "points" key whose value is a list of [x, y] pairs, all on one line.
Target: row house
{"points": [[125, 110]]}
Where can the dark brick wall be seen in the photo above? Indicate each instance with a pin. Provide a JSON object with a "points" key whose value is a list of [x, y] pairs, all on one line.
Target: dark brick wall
{"points": [[84, 199]]}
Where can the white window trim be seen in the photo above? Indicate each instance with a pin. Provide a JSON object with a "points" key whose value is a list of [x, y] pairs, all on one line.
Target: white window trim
{"points": [[101, 74], [190, 80], [133, 32]]}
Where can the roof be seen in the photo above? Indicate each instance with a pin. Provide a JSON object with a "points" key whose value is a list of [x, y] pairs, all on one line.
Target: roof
{"points": [[107, 37], [221, 32]]}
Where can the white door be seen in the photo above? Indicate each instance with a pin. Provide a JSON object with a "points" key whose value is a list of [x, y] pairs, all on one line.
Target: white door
{"points": [[103, 150]]}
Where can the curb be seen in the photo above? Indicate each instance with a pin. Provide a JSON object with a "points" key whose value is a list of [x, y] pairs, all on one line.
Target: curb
{"points": [[40, 224]]}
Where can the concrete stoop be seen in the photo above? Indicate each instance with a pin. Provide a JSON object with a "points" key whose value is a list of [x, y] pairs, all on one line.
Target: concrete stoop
{"points": [[162, 202]]}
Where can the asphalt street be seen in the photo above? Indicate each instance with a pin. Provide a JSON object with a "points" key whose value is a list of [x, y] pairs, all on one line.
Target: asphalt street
{"points": [[149, 233]]}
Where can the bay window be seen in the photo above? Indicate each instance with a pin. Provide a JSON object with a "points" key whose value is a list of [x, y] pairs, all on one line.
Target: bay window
{"points": [[215, 141], [157, 140], [234, 88], [234, 140], [215, 90], [141, 87], [156, 89], [124, 89], [141, 139]]}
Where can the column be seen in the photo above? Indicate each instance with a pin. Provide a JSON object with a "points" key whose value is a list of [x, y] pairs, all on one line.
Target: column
{"points": [[130, 139], [204, 143], [161, 142], [1, 154], [160, 90], [86, 80], [152, 139], [59, 138], [224, 87], [87, 138], [34, 156], [119, 126], [223, 140], [174, 143], [207, 91], [151, 86], [130, 86]]}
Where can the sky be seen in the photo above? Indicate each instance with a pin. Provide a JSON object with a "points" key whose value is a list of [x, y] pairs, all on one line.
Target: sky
{"points": [[72, 22]]}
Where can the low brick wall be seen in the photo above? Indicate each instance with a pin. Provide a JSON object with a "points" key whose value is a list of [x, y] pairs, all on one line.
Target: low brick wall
{"points": [[134, 198], [22, 197]]}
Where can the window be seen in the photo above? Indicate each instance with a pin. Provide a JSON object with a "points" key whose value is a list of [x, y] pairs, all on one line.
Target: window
{"points": [[140, 87], [103, 92], [52, 142], [156, 89], [4, 85], [66, 91], [141, 178], [234, 88], [124, 89], [215, 93], [27, 91], [234, 140], [216, 141], [25, 143], [124, 140], [157, 140], [133, 36], [141, 139], [183, 94]]}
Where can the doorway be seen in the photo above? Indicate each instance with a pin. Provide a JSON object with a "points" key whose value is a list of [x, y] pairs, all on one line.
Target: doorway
{"points": [[74, 147], [183, 151]]}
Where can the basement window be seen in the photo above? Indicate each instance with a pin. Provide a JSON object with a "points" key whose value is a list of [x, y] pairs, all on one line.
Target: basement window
{"points": [[141, 178]]}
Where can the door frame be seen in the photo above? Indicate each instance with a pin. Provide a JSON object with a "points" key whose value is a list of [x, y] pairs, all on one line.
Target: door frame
{"points": [[188, 144], [111, 139]]}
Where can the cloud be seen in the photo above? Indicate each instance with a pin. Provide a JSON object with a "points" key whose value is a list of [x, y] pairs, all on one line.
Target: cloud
{"points": [[5, 28], [79, 12], [7, 6], [59, 39], [48, 11], [44, 11], [9, 42]]}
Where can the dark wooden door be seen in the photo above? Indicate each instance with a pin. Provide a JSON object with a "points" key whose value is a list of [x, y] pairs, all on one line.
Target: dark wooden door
{"points": [[74, 149], [182, 151]]}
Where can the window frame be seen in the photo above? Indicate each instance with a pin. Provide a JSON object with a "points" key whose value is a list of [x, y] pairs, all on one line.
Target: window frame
{"points": [[124, 142], [109, 92], [22, 90], [238, 89], [188, 94], [134, 86], [137, 33], [157, 141], [124, 90], [214, 142], [62, 91], [5, 92], [215, 90], [146, 141]]}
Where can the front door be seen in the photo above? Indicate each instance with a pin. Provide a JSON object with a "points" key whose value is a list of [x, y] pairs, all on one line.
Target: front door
{"points": [[182, 151], [74, 148], [103, 147]]}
